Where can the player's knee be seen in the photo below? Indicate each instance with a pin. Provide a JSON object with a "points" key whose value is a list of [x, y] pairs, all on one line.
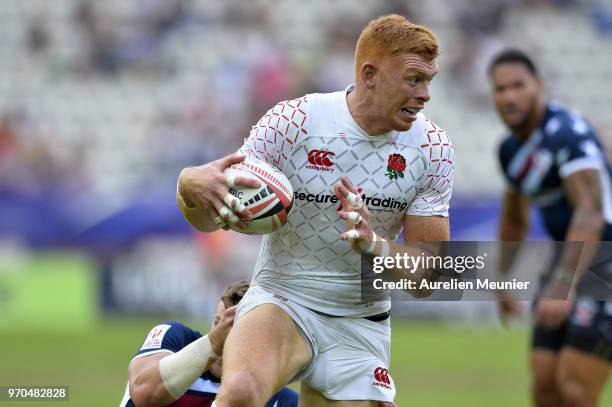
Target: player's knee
{"points": [[240, 390], [574, 393]]}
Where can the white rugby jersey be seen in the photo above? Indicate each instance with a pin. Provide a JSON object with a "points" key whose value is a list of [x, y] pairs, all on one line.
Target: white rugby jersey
{"points": [[314, 141]]}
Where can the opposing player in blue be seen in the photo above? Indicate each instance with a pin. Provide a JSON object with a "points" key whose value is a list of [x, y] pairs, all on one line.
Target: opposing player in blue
{"points": [[553, 159], [177, 366]]}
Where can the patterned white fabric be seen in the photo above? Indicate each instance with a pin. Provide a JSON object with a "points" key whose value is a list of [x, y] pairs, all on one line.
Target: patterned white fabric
{"points": [[314, 141]]}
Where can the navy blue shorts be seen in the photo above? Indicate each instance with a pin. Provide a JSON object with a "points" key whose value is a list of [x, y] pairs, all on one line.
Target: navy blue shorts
{"points": [[589, 329]]}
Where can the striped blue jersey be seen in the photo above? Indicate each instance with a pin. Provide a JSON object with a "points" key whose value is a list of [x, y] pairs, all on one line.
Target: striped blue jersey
{"points": [[563, 144]]}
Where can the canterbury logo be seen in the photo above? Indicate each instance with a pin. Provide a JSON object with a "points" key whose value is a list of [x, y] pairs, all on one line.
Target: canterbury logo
{"points": [[320, 157], [381, 375]]}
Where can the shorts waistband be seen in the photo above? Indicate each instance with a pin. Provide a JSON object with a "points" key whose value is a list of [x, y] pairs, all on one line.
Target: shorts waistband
{"points": [[373, 318], [379, 317]]}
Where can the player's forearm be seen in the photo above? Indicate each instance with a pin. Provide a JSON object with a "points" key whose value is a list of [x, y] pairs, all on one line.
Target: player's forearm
{"points": [[406, 264], [179, 370], [512, 230], [587, 225], [425, 239], [162, 381], [583, 237], [511, 233], [513, 227], [584, 193], [147, 388]]}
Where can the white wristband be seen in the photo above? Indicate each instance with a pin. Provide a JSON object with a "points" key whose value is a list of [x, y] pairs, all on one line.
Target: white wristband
{"points": [[385, 248], [373, 244], [179, 370]]}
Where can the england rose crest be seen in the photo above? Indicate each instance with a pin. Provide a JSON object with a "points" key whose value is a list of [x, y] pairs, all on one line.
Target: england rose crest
{"points": [[396, 165]]}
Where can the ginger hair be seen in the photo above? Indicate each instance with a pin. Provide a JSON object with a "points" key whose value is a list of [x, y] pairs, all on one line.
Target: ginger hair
{"points": [[393, 34]]}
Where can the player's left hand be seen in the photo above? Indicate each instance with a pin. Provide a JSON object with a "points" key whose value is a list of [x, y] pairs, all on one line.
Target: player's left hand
{"points": [[553, 313], [219, 333], [356, 214]]}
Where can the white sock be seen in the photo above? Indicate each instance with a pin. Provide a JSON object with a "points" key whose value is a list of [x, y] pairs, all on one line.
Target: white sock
{"points": [[213, 404]]}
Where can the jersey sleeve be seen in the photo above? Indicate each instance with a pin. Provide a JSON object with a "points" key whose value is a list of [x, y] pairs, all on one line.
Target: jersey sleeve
{"points": [[169, 336], [273, 137], [575, 146], [284, 398], [435, 192]]}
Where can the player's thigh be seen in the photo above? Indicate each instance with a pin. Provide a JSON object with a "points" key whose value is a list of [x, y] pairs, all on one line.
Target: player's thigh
{"points": [[309, 397], [545, 346], [584, 361], [582, 369], [543, 363], [266, 343]]}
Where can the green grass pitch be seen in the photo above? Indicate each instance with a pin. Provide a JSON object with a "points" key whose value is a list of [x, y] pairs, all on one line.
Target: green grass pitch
{"points": [[432, 364]]}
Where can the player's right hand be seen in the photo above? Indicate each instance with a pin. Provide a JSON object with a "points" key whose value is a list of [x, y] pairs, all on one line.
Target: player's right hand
{"points": [[356, 214], [218, 334], [208, 188], [508, 306]]}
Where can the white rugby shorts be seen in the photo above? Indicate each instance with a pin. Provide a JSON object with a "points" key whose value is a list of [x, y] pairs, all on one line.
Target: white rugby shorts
{"points": [[349, 356]]}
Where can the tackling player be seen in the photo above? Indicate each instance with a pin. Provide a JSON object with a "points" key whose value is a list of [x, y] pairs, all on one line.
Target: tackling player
{"points": [[303, 317], [553, 159], [177, 366]]}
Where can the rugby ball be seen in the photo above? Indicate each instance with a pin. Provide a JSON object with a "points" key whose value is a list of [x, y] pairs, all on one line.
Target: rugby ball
{"points": [[270, 204]]}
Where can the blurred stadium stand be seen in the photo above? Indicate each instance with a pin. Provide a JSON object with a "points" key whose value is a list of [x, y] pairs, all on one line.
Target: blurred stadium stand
{"points": [[102, 103]]}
